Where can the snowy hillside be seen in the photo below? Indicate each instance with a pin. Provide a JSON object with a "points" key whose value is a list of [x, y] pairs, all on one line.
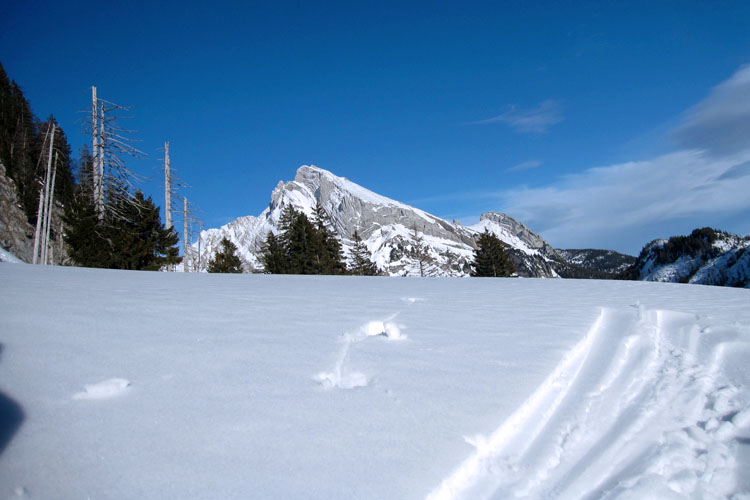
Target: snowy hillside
{"points": [[605, 261], [131, 385], [386, 225], [706, 257]]}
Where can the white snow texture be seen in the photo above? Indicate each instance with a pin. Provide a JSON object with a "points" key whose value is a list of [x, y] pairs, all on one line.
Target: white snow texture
{"points": [[255, 386]]}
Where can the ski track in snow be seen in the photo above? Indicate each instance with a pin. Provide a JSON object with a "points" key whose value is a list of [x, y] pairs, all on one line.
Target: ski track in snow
{"points": [[637, 409]]}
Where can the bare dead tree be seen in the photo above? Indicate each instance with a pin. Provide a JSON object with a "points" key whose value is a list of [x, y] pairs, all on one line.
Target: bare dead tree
{"points": [[44, 195], [113, 180], [167, 188], [423, 257], [190, 258], [48, 216]]}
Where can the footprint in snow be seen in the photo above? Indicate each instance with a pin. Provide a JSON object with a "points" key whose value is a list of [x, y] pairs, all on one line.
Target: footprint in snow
{"points": [[105, 389]]}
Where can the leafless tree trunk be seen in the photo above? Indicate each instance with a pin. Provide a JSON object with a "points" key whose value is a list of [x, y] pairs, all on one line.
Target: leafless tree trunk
{"points": [[48, 218], [109, 144], [167, 188], [43, 197], [185, 234]]}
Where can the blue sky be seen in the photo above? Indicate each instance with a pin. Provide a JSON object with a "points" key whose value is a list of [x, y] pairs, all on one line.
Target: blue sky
{"points": [[599, 124]]}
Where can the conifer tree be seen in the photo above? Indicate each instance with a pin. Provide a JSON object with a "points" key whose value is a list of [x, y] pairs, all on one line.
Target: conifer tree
{"points": [[361, 265], [273, 255], [491, 258], [131, 237], [226, 259], [144, 243], [303, 246], [330, 258]]}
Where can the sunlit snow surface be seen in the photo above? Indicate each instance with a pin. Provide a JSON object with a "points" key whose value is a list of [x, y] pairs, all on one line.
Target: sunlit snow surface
{"points": [[153, 385]]}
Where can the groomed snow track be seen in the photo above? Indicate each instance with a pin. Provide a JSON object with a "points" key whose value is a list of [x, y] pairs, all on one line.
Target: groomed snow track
{"points": [[639, 408]]}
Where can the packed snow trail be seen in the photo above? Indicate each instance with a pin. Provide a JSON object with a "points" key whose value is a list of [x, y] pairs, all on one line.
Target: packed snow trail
{"points": [[637, 409]]}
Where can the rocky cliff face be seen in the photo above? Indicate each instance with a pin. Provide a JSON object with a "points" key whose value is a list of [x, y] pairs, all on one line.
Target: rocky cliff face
{"points": [[387, 227], [16, 234]]}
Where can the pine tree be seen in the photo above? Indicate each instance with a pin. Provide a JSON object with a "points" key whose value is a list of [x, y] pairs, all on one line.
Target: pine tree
{"points": [[132, 237], [273, 255], [330, 258], [144, 243], [226, 260], [85, 235], [491, 258], [361, 265], [303, 246]]}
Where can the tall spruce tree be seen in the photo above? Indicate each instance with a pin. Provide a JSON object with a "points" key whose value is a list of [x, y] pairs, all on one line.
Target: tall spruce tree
{"points": [[491, 258], [303, 246], [361, 265], [226, 259], [273, 255], [144, 243], [131, 237], [330, 258]]}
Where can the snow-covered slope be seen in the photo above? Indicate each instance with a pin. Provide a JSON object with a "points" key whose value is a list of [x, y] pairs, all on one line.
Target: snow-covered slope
{"points": [[133, 385], [6, 256], [386, 225], [605, 261], [706, 257]]}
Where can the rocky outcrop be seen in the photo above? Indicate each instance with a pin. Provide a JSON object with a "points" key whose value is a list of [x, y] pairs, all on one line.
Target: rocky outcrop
{"points": [[705, 257], [16, 234]]}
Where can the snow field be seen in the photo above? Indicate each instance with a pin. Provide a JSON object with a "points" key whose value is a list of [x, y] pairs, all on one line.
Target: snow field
{"points": [[633, 401], [285, 387], [103, 390], [343, 378]]}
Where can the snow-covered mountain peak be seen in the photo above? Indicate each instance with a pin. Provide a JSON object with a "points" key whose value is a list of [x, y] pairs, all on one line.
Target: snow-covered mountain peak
{"points": [[389, 228]]}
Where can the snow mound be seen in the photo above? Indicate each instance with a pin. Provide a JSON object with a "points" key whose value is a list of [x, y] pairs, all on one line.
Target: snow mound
{"points": [[386, 329], [105, 389], [342, 378], [637, 404], [6, 256]]}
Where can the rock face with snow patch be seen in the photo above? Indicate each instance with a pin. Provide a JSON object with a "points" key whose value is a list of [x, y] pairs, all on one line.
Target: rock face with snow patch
{"points": [[16, 234], [607, 262], [387, 227], [705, 257]]}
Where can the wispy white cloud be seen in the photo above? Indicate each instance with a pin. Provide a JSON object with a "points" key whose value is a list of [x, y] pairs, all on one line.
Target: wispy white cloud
{"points": [[526, 165], [535, 120], [617, 203], [720, 123], [623, 206]]}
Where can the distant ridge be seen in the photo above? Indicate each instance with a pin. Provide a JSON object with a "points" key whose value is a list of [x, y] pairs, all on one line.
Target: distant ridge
{"points": [[706, 257]]}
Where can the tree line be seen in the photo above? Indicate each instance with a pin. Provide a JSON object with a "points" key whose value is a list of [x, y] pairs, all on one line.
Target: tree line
{"points": [[107, 222], [110, 224], [307, 245]]}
